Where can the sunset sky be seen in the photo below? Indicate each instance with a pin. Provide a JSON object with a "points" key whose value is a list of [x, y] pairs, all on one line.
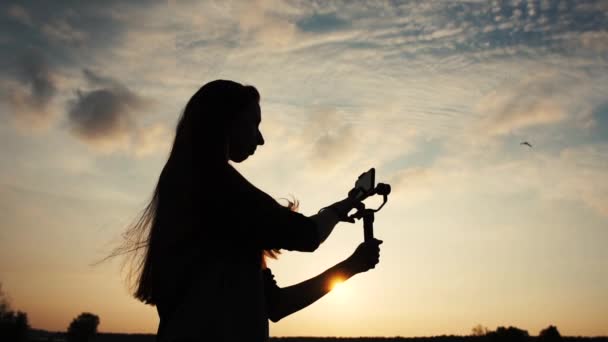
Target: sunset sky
{"points": [[436, 95]]}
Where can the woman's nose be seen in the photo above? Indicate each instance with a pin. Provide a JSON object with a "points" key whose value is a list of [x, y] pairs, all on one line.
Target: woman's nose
{"points": [[260, 139]]}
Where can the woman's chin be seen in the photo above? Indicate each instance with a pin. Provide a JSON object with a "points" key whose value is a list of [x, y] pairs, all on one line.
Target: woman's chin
{"points": [[239, 158]]}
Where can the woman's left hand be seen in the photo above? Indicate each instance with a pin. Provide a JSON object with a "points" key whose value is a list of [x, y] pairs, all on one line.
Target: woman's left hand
{"points": [[365, 257]]}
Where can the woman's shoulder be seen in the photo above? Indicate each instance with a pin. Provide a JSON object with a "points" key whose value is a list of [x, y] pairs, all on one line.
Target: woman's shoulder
{"points": [[243, 187]]}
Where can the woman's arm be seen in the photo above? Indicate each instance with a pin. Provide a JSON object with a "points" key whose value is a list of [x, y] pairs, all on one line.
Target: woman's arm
{"points": [[285, 301], [275, 227], [329, 217]]}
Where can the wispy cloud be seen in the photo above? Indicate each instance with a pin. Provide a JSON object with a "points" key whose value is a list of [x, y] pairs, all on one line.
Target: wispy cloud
{"points": [[20, 14], [354, 84], [62, 31], [30, 91], [152, 140], [330, 138], [530, 102], [574, 174]]}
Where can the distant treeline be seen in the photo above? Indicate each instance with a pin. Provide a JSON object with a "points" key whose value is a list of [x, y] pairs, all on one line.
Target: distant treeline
{"points": [[41, 335], [423, 339]]}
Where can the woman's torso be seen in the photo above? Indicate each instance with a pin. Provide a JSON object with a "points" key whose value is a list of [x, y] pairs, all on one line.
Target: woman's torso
{"points": [[214, 290], [223, 301]]}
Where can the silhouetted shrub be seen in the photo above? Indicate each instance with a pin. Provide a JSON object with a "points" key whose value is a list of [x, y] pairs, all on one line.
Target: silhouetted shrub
{"points": [[508, 334], [4, 305], [13, 325], [83, 327], [549, 334], [479, 330]]}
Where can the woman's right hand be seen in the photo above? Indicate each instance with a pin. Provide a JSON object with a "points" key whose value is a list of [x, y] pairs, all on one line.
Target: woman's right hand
{"points": [[365, 257], [343, 207]]}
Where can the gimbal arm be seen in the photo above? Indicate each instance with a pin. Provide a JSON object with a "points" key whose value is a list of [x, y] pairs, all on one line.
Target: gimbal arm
{"points": [[368, 214]]}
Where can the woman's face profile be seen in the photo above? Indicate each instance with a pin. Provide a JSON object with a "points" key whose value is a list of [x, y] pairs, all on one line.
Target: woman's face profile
{"points": [[245, 135]]}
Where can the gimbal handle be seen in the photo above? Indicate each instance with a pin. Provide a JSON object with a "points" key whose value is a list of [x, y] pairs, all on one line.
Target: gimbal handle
{"points": [[368, 225], [368, 214]]}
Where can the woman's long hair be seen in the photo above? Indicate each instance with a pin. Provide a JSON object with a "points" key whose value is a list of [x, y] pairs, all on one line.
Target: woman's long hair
{"points": [[199, 151]]}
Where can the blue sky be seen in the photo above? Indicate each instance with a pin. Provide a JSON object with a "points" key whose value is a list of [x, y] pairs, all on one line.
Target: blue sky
{"points": [[436, 95]]}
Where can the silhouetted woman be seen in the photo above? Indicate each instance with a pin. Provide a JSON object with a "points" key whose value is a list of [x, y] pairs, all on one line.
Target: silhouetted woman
{"points": [[203, 236]]}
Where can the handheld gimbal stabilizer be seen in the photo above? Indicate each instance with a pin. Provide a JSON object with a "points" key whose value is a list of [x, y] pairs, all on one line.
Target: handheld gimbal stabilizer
{"points": [[365, 188]]}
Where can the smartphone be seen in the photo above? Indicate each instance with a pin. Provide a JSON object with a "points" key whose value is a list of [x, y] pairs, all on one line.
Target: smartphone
{"points": [[365, 184]]}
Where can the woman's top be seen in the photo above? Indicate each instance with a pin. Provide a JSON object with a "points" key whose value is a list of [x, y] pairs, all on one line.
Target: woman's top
{"points": [[217, 292]]}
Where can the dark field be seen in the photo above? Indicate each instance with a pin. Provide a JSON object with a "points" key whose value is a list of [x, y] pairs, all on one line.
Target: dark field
{"points": [[41, 335]]}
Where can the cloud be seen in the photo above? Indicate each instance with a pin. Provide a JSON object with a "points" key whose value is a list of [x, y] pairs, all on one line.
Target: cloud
{"points": [[108, 118], [520, 112], [330, 138], [319, 23], [62, 31], [61, 41], [533, 101], [414, 184], [20, 14], [333, 146], [596, 41], [579, 173], [30, 91], [263, 22], [98, 80], [573, 174], [151, 140], [333, 56], [104, 117], [444, 33], [47, 42]]}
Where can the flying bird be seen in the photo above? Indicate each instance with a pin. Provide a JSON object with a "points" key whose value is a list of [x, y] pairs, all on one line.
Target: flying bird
{"points": [[525, 143]]}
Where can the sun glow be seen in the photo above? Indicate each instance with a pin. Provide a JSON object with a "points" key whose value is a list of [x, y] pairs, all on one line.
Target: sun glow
{"points": [[336, 284], [339, 289]]}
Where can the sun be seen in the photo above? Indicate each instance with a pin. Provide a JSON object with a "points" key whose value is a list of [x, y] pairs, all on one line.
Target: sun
{"points": [[336, 284], [339, 290]]}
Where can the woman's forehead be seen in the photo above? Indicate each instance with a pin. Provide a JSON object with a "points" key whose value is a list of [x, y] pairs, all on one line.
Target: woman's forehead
{"points": [[254, 111], [251, 114]]}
